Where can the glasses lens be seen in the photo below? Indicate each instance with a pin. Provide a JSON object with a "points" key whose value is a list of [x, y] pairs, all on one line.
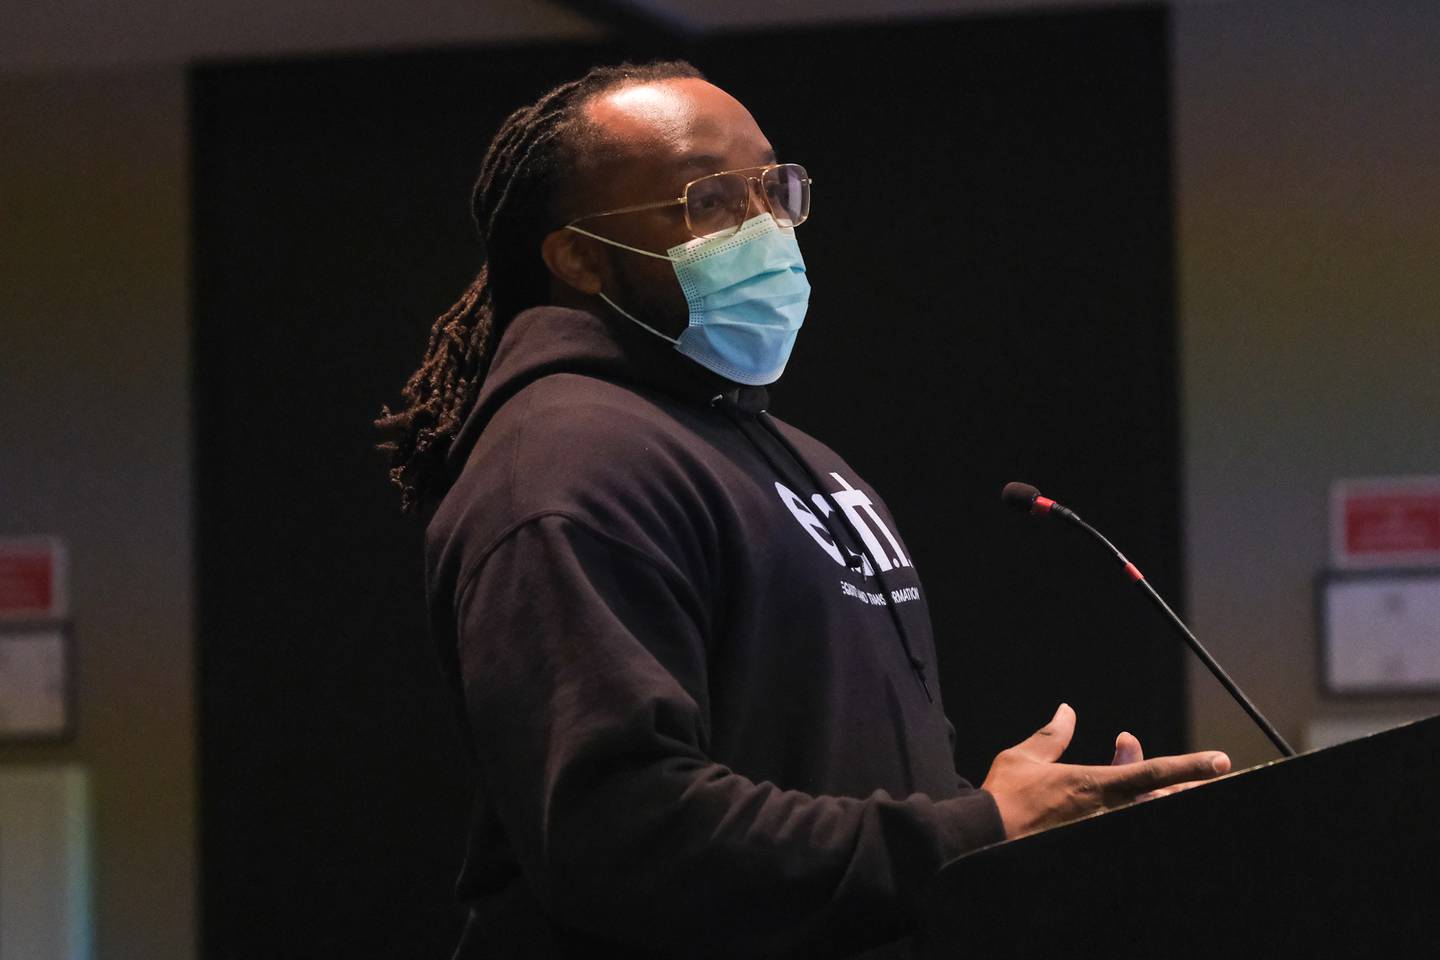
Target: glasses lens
{"points": [[715, 205], [787, 188]]}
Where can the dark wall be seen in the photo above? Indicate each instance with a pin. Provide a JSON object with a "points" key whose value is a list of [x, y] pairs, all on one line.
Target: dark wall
{"points": [[991, 259]]}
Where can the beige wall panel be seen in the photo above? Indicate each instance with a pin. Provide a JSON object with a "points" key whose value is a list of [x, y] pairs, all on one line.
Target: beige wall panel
{"points": [[1308, 145], [94, 427]]}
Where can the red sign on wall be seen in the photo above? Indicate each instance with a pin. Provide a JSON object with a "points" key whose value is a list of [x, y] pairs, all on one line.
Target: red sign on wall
{"points": [[32, 578], [1386, 522]]}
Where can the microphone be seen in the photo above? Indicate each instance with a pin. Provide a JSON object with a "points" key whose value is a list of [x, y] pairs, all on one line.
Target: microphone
{"points": [[1027, 499]]}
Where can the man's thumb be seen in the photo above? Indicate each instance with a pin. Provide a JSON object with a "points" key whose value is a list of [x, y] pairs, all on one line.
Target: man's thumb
{"points": [[1051, 740]]}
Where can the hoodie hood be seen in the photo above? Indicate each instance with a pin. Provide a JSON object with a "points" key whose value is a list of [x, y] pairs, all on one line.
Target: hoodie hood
{"points": [[547, 340]]}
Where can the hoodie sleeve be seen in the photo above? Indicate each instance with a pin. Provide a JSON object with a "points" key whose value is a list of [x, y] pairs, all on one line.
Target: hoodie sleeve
{"points": [[584, 669]]}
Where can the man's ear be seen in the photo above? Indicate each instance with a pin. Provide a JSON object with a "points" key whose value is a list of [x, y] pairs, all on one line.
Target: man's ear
{"points": [[572, 260]]}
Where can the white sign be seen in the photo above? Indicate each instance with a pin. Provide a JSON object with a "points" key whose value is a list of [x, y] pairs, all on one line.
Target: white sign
{"points": [[34, 683], [1382, 633]]}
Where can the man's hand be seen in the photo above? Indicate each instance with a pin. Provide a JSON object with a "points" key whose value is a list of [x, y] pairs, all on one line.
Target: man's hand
{"points": [[1034, 790]]}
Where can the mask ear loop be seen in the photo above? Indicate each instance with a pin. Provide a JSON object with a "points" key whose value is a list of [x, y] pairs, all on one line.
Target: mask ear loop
{"points": [[615, 306], [641, 323], [622, 246]]}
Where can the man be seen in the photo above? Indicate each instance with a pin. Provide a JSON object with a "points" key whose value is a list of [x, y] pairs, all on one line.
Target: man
{"points": [[693, 650]]}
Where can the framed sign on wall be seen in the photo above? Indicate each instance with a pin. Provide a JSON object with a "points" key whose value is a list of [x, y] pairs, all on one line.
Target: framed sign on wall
{"points": [[1380, 631], [36, 688]]}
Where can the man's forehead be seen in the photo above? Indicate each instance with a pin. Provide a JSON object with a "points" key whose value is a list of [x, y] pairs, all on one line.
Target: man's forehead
{"points": [[674, 121]]}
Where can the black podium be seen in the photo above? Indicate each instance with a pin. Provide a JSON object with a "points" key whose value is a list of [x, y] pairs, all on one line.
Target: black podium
{"points": [[1334, 853]]}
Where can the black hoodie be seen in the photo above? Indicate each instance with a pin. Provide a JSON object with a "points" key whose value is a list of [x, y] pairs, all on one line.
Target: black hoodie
{"points": [[704, 722]]}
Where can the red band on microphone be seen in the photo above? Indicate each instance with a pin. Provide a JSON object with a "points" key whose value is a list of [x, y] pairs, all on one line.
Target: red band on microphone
{"points": [[1041, 506], [1134, 572]]}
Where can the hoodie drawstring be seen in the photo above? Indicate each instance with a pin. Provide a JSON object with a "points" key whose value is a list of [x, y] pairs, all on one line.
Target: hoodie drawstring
{"points": [[844, 541], [847, 543]]}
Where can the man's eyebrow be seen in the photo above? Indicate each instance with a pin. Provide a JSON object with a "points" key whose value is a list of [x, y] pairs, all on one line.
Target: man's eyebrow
{"points": [[712, 163]]}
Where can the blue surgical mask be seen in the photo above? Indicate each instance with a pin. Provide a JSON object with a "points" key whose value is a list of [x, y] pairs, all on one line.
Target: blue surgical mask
{"points": [[747, 295]]}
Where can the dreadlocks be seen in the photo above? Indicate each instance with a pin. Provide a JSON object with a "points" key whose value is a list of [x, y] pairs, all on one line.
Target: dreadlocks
{"points": [[535, 153]]}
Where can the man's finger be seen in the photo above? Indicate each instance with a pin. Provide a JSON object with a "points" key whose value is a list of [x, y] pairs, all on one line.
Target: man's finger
{"points": [[1128, 781], [1127, 749], [1050, 741]]}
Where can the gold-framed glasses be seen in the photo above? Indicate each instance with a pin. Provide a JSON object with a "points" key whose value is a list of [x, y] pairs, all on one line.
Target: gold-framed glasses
{"points": [[718, 203]]}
